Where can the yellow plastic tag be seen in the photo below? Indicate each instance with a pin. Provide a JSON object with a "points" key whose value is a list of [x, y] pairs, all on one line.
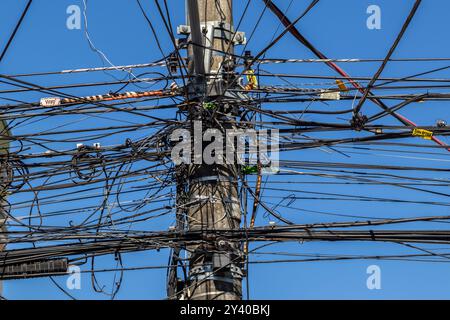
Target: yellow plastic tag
{"points": [[341, 85], [422, 133], [251, 79]]}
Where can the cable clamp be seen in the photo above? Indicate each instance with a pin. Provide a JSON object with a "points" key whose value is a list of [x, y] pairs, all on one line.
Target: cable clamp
{"points": [[213, 178], [358, 122]]}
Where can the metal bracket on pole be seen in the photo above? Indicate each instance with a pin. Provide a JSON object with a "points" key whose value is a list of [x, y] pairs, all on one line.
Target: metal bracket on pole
{"points": [[221, 31], [203, 53], [210, 272]]}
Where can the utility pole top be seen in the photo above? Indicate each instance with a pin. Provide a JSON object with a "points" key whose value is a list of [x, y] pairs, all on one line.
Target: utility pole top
{"points": [[212, 40]]}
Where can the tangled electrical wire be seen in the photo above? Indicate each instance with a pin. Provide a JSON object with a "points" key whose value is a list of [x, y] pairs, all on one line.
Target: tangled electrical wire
{"points": [[86, 178]]}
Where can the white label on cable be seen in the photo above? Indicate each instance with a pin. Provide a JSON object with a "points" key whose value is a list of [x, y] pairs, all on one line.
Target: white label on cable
{"points": [[50, 102], [330, 96]]}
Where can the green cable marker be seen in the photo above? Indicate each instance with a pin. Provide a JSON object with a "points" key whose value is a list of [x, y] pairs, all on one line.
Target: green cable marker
{"points": [[209, 105], [250, 169]]}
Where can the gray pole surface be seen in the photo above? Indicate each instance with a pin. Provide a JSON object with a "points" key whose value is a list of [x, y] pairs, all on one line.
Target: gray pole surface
{"points": [[214, 265]]}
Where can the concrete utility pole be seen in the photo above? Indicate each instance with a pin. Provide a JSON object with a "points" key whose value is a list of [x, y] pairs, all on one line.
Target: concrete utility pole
{"points": [[212, 190]]}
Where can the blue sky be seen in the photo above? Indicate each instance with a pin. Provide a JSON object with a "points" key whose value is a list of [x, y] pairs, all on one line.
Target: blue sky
{"points": [[338, 28]]}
